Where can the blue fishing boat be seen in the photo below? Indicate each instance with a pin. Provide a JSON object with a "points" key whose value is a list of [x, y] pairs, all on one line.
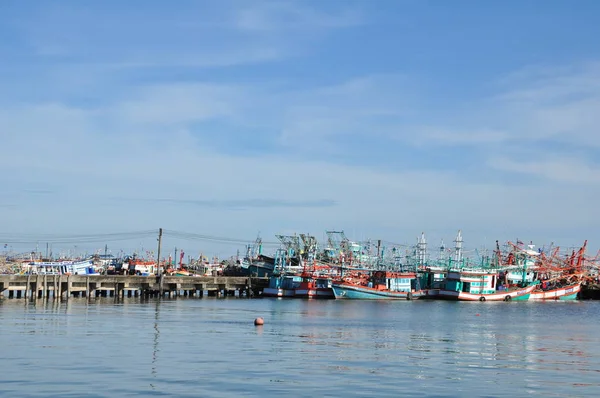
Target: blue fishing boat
{"points": [[379, 285]]}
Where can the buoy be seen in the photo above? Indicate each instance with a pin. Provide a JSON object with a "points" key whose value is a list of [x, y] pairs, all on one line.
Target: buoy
{"points": [[476, 314], [259, 322]]}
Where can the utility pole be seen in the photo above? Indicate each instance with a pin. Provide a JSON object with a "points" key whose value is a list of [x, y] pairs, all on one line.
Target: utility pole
{"points": [[175, 260], [160, 275], [379, 254]]}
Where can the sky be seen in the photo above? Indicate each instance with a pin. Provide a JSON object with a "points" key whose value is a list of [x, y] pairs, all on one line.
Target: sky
{"points": [[231, 118]]}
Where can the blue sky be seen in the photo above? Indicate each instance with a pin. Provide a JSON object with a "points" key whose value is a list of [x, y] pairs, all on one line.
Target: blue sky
{"points": [[381, 118]]}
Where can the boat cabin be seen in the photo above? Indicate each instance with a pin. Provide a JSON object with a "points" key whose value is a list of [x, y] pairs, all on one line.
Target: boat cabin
{"points": [[285, 282], [393, 281], [473, 282], [433, 279]]}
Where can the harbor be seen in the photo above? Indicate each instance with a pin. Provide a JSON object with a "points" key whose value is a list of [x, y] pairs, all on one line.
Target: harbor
{"points": [[302, 267], [62, 287]]}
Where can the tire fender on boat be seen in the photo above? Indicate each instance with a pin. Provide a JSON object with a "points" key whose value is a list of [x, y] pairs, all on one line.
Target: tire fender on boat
{"points": [[409, 296], [481, 298], [507, 298]]}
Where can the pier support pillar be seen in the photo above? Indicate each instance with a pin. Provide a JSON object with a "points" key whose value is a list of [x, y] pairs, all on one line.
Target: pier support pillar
{"points": [[59, 288], [68, 286], [27, 286]]}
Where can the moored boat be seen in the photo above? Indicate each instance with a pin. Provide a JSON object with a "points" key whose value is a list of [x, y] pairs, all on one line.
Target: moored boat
{"points": [[314, 287], [570, 292], [482, 285], [282, 286], [379, 285], [68, 267]]}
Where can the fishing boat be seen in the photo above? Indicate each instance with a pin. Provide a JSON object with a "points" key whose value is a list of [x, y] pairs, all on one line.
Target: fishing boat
{"points": [[282, 286], [570, 292], [379, 285], [560, 278], [68, 267], [260, 266], [314, 287], [483, 285], [139, 266]]}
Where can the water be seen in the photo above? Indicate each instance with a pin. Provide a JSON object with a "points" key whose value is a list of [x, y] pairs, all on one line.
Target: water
{"points": [[210, 347]]}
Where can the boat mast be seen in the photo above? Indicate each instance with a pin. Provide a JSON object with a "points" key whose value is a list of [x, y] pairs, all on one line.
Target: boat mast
{"points": [[458, 248], [442, 251], [422, 249]]}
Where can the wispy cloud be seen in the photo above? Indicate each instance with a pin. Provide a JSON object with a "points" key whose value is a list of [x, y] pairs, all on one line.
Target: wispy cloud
{"points": [[201, 35], [558, 169], [269, 16], [39, 191], [241, 204], [309, 115]]}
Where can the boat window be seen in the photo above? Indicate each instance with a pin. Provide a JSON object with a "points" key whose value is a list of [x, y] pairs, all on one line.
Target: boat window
{"points": [[493, 282]]}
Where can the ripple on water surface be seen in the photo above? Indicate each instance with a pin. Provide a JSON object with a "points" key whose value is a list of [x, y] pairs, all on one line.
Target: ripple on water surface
{"points": [[210, 347]]}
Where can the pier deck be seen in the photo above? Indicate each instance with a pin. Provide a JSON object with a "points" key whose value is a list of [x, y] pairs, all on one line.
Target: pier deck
{"points": [[65, 286]]}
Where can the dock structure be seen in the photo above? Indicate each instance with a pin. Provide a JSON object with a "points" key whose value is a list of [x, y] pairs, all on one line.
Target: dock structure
{"points": [[59, 287]]}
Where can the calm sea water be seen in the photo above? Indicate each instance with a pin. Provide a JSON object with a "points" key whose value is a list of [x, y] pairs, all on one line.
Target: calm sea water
{"points": [[209, 347]]}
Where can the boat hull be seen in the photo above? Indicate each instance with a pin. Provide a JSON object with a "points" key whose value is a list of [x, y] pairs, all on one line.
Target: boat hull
{"points": [[515, 295], [278, 292], [316, 293], [564, 293], [346, 291]]}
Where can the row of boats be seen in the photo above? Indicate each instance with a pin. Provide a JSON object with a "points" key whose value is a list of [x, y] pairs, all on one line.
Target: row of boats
{"points": [[519, 275], [463, 285], [349, 270]]}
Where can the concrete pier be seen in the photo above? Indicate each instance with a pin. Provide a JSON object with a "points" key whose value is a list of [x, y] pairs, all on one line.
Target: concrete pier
{"points": [[58, 287]]}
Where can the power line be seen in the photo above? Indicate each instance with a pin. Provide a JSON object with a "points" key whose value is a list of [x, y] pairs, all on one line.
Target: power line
{"points": [[217, 239], [81, 238]]}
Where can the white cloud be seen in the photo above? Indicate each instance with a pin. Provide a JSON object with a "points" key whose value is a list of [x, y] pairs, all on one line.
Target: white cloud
{"points": [[269, 16], [180, 103], [559, 105], [559, 169], [202, 35], [89, 172], [436, 136]]}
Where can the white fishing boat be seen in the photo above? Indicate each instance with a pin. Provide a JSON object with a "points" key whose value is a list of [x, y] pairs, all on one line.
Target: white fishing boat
{"points": [[69, 267]]}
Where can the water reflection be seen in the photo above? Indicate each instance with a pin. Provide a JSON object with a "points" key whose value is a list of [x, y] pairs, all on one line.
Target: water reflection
{"points": [[335, 348], [155, 349]]}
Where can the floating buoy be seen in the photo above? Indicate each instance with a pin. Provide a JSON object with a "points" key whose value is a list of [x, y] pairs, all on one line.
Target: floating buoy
{"points": [[259, 322], [476, 314]]}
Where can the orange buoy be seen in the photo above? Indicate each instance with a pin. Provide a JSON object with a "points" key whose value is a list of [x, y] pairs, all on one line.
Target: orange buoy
{"points": [[259, 322], [476, 314]]}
